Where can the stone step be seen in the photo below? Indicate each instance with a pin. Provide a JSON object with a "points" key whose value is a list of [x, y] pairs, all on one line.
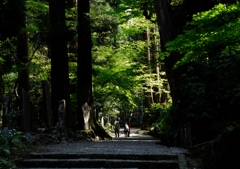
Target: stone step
{"points": [[53, 160], [100, 163], [81, 168], [101, 156]]}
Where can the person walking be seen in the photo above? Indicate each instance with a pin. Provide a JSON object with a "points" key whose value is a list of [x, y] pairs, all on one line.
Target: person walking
{"points": [[117, 128], [156, 130], [126, 129], [129, 127]]}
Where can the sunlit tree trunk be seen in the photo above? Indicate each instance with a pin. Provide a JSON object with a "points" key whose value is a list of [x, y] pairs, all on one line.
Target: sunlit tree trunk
{"points": [[164, 96], [155, 52], [149, 98]]}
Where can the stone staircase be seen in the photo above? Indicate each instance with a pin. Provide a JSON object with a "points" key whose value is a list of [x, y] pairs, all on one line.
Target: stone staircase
{"points": [[135, 152], [50, 160]]}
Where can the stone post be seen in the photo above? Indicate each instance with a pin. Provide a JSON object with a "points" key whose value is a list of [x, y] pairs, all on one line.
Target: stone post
{"points": [[102, 121], [181, 136], [5, 112], [25, 111], [47, 104], [189, 134], [62, 114], [86, 115], [185, 136]]}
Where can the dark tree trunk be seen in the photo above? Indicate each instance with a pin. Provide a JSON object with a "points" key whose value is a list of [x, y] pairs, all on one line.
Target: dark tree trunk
{"points": [[170, 25], [168, 32], [23, 71], [23, 75], [59, 59], [84, 65], [86, 116]]}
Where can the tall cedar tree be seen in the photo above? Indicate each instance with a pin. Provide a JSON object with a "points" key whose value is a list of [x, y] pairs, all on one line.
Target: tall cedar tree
{"points": [[169, 29], [23, 72], [84, 61], [167, 33], [59, 59], [84, 95]]}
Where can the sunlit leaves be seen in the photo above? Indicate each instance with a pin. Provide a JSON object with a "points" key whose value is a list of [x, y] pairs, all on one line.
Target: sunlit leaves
{"points": [[116, 75], [210, 50], [120, 67], [37, 14], [104, 23], [135, 26], [218, 27]]}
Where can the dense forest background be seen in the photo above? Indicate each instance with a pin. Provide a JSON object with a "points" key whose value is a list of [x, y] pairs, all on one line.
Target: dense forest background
{"points": [[167, 62]]}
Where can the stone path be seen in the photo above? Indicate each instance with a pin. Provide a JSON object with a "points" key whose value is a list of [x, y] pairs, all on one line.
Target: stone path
{"points": [[141, 149], [135, 144]]}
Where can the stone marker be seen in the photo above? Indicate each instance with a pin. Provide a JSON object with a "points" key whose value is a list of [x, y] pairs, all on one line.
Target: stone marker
{"points": [[25, 111], [47, 104], [86, 115], [62, 114]]}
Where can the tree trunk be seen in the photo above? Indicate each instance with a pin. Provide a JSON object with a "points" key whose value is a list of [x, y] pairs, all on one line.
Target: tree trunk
{"points": [[149, 94], [168, 32], [155, 52], [85, 114], [59, 59], [23, 71], [85, 101], [1, 95]]}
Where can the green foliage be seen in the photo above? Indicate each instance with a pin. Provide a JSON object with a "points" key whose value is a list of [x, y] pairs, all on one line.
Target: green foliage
{"points": [[160, 113], [108, 127], [10, 143], [136, 25], [119, 54], [10, 140], [7, 163], [119, 50], [116, 79], [210, 89], [134, 8], [39, 65], [104, 23], [7, 56], [212, 29]]}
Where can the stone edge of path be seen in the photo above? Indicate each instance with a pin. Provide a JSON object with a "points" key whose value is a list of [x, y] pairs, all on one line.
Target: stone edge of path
{"points": [[182, 161]]}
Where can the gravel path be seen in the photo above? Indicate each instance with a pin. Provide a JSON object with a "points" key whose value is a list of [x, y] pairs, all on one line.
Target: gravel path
{"points": [[135, 144]]}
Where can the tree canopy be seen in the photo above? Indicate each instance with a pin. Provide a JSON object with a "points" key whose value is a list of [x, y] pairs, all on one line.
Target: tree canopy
{"points": [[167, 62]]}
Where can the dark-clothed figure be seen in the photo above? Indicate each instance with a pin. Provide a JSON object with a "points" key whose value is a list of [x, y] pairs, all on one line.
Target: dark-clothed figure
{"points": [[156, 130], [129, 127], [117, 128]]}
